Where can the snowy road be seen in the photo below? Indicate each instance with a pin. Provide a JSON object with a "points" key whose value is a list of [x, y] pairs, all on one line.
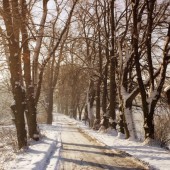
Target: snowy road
{"points": [[70, 145], [79, 152]]}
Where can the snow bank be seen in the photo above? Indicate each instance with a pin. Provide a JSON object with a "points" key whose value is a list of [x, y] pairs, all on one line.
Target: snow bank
{"points": [[45, 153], [157, 158], [39, 153]]}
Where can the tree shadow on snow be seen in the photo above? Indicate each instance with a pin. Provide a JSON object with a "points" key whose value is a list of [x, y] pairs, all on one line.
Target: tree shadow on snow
{"points": [[139, 149]]}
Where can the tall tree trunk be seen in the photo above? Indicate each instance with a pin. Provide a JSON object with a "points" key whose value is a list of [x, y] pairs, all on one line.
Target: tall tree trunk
{"points": [[104, 97], [155, 95], [31, 111], [50, 106], [148, 100], [18, 110], [18, 107], [50, 91], [31, 114], [106, 69], [98, 101], [66, 107], [130, 133], [38, 45], [90, 101], [112, 67]]}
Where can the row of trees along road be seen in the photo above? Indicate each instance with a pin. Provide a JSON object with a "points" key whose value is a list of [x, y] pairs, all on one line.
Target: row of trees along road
{"points": [[100, 52], [23, 55], [123, 51]]}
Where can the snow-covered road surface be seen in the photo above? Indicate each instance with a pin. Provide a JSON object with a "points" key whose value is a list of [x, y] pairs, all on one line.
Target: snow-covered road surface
{"points": [[69, 144], [79, 151]]}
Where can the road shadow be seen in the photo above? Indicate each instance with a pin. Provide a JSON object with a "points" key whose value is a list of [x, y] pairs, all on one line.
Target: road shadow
{"points": [[85, 145], [110, 154], [97, 165]]}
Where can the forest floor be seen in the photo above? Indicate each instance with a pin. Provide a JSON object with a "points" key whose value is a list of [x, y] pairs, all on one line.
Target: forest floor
{"points": [[69, 144]]}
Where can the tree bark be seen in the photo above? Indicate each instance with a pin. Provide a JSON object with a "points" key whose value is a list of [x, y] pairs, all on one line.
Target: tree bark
{"points": [[98, 101], [112, 67], [18, 107], [31, 111]]}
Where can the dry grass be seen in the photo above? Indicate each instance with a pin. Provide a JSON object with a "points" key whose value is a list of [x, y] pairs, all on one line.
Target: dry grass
{"points": [[41, 118], [8, 145], [162, 130]]}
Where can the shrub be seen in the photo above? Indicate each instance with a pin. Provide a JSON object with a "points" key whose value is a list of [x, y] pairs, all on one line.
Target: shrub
{"points": [[8, 145], [162, 129]]}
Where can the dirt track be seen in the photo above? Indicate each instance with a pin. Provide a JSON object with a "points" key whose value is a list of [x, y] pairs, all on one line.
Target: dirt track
{"points": [[80, 152]]}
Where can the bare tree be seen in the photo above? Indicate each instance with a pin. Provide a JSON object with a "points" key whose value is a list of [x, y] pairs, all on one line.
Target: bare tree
{"points": [[149, 96]]}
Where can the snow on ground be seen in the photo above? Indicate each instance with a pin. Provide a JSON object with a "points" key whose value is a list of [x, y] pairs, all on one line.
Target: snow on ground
{"points": [[37, 156], [45, 153], [156, 157]]}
